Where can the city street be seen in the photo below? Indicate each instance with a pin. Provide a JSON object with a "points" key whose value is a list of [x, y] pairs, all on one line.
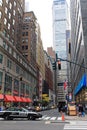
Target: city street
{"points": [[42, 125], [50, 119]]}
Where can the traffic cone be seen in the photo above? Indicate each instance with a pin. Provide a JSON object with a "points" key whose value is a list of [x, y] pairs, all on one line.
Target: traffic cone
{"points": [[63, 118]]}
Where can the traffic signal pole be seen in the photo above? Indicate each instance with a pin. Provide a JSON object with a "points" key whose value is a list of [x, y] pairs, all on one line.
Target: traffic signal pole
{"points": [[56, 86], [71, 62]]}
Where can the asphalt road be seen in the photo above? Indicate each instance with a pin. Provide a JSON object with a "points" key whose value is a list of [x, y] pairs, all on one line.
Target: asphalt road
{"points": [[30, 125], [43, 124]]}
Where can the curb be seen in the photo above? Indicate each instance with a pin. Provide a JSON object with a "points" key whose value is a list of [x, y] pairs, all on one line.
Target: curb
{"points": [[60, 122]]}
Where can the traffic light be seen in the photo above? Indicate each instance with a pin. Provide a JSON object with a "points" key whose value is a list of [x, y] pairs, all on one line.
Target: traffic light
{"points": [[59, 65], [54, 65]]}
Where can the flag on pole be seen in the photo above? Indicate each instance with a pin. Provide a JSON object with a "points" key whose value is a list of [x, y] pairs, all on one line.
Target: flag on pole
{"points": [[65, 85]]}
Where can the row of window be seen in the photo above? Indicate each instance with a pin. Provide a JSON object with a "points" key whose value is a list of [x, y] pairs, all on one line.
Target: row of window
{"points": [[16, 55], [7, 2], [11, 65], [24, 33], [24, 88], [25, 47]]}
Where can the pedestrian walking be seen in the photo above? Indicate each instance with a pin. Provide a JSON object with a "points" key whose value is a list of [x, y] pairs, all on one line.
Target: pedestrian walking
{"points": [[66, 109], [81, 110]]}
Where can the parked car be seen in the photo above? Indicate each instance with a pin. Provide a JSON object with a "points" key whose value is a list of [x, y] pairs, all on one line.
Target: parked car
{"points": [[16, 112]]}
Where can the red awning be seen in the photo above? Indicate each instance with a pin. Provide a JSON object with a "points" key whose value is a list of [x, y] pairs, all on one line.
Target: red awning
{"points": [[28, 100], [17, 99], [23, 99], [9, 98], [1, 96]]}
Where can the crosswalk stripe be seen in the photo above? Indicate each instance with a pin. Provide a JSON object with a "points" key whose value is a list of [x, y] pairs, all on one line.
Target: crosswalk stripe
{"points": [[46, 118], [53, 118], [59, 118], [76, 125]]}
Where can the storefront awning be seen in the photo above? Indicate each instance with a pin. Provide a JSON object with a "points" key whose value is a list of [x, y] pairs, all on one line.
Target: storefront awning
{"points": [[28, 100], [23, 99], [17, 99], [81, 84], [9, 98], [1, 96]]}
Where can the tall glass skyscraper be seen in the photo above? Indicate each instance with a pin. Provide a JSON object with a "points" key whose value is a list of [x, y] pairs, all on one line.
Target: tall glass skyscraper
{"points": [[60, 25]]}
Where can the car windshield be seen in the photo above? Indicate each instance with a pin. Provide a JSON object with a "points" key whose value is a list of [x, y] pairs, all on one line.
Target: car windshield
{"points": [[11, 109], [24, 109], [16, 109]]}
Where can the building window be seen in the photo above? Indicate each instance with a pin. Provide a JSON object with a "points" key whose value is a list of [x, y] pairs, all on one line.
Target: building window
{"points": [[4, 44], [14, 12], [8, 25], [1, 74], [10, 5], [8, 36], [13, 22], [26, 33], [22, 47], [16, 86], [5, 21], [23, 33], [14, 3], [23, 40], [0, 2], [9, 15], [1, 58], [12, 31], [17, 69], [9, 64], [7, 1], [8, 84], [6, 10], [26, 40], [0, 14], [14, 54], [26, 47]]}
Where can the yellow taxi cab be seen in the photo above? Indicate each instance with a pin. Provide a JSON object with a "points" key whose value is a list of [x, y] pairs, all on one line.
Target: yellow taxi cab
{"points": [[37, 108]]}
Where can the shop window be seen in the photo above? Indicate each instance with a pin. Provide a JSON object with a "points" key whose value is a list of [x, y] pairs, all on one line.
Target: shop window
{"points": [[1, 58]]}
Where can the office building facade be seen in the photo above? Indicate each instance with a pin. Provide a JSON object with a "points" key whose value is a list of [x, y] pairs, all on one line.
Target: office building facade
{"points": [[60, 24], [78, 50], [17, 77]]}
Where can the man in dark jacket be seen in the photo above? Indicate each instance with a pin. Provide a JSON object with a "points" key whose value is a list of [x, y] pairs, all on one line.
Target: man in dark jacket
{"points": [[81, 110]]}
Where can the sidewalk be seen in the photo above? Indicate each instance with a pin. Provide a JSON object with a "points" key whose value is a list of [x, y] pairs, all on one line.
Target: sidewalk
{"points": [[68, 118]]}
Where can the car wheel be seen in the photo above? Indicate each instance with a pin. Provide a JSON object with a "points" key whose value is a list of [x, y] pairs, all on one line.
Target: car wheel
{"points": [[30, 117], [10, 118], [7, 118]]}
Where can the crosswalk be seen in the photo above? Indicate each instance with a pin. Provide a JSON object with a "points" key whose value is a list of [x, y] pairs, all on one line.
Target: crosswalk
{"points": [[76, 125], [72, 125], [53, 118]]}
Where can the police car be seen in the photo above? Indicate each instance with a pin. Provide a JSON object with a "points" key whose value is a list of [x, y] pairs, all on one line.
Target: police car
{"points": [[16, 112]]}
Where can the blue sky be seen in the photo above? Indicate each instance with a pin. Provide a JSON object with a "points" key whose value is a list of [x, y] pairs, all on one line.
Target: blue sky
{"points": [[43, 12]]}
